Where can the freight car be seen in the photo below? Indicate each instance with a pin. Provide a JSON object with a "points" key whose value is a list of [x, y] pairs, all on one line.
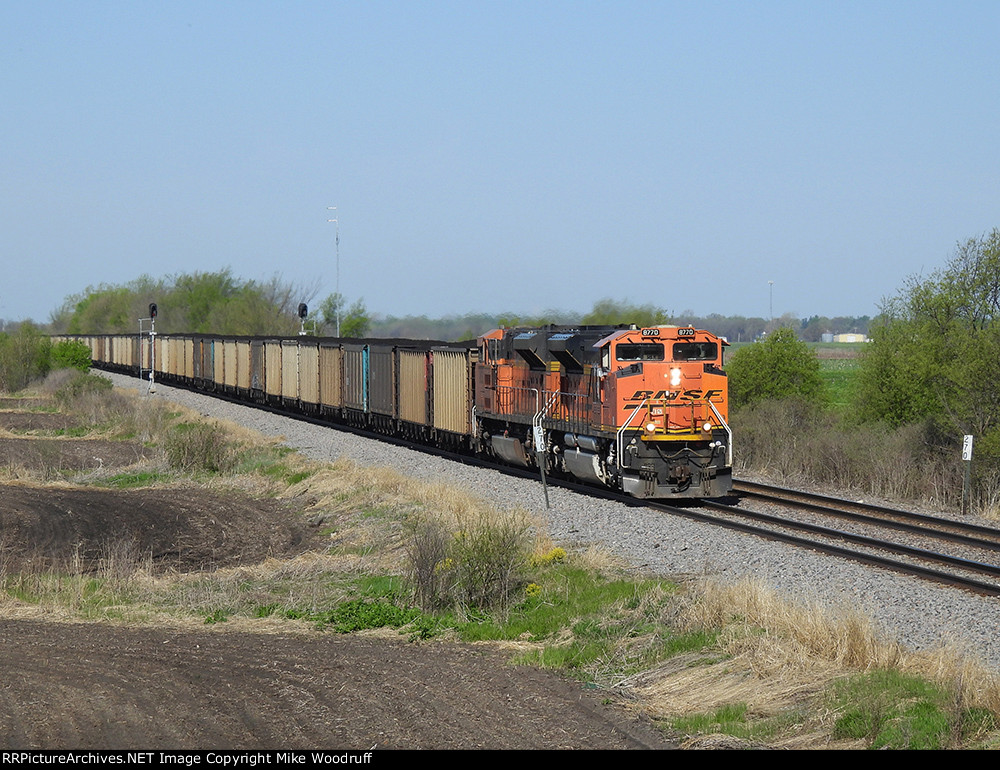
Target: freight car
{"points": [[641, 410]]}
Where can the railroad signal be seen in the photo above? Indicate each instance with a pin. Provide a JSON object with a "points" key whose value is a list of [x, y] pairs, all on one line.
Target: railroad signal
{"points": [[303, 312], [152, 347]]}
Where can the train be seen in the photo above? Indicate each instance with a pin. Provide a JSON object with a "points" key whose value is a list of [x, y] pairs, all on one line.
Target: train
{"points": [[643, 410]]}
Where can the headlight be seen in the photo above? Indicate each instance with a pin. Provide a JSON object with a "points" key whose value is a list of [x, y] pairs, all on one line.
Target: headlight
{"points": [[707, 427], [650, 427], [675, 377]]}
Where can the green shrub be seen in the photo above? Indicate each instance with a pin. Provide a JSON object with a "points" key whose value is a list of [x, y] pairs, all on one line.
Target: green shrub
{"points": [[480, 566], [780, 366], [24, 358], [70, 354]]}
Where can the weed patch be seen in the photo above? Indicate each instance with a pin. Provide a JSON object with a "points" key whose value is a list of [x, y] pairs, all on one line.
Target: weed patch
{"points": [[888, 709], [134, 479], [479, 565], [198, 447]]}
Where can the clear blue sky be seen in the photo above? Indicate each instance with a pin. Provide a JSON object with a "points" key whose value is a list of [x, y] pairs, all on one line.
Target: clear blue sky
{"points": [[499, 156]]}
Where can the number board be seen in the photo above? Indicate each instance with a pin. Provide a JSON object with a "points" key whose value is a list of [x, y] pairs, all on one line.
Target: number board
{"points": [[650, 332], [685, 332]]}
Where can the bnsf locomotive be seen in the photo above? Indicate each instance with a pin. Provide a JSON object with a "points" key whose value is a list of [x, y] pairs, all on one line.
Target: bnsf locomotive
{"points": [[641, 410]]}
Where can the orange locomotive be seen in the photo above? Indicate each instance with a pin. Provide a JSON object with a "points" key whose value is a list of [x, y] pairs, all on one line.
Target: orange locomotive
{"points": [[642, 410]]}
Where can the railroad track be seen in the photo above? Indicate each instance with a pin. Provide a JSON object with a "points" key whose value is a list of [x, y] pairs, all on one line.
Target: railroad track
{"points": [[915, 544], [971, 564], [942, 550]]}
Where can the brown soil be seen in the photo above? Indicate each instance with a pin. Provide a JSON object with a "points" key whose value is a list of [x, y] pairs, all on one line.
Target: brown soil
{"points": [[848, 353], [182, 529], [18, 422], [72, 685], [59, 454], [97, 686]]}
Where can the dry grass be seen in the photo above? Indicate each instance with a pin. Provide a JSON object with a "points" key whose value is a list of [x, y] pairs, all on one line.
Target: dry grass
{"points": [[376, 506], [125, 587], [777, 656], [453, 545], [843, 636], [792, 442]]}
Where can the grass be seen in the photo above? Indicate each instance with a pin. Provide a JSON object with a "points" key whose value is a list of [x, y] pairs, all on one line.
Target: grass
{"points": [[135, 479], [76, 432], [598, 627], [816, 672], [701, 660], [888, 709]]}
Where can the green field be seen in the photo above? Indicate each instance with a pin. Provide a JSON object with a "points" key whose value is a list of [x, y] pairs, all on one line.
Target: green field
{"points": [[840, 376], [838, 366]]}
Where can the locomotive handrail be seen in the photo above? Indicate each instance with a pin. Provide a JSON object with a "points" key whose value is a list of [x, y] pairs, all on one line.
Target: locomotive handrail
{"points": [[620, 440], [729, 433], [572, 413], [537, 440], [536, 421], [540, 415]]}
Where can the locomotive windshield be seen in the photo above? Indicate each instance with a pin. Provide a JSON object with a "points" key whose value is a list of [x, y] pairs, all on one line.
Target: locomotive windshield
{"points": [[695, 351], [639, 351]]}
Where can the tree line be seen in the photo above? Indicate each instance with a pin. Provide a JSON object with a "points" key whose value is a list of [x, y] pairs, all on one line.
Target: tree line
{"points": [[735, 328], [206, 303], [221, 303], [935, 352]]}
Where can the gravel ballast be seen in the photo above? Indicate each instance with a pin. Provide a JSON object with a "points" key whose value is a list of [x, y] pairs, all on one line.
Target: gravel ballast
{"points": [[918, 613]]}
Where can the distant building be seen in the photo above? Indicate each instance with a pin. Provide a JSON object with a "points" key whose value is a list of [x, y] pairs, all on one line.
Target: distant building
{"points": [[848, 338]]}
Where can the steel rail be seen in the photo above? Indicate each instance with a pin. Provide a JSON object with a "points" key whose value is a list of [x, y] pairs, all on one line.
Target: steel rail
{"points": [[616, 496], [976, 535]]}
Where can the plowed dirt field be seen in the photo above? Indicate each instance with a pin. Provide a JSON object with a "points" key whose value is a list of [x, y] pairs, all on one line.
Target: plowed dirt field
{"points": [[97, 685]]}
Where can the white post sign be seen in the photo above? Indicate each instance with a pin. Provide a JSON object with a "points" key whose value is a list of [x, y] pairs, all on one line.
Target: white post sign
{"points": [[967, 486], [539, 435]]}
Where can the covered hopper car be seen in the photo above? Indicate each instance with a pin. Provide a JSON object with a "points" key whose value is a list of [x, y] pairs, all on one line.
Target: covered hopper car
{"points": [[643, 410]]}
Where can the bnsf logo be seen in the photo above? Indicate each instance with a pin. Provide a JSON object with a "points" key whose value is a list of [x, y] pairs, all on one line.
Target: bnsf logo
{"points": [[673, 395]]}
